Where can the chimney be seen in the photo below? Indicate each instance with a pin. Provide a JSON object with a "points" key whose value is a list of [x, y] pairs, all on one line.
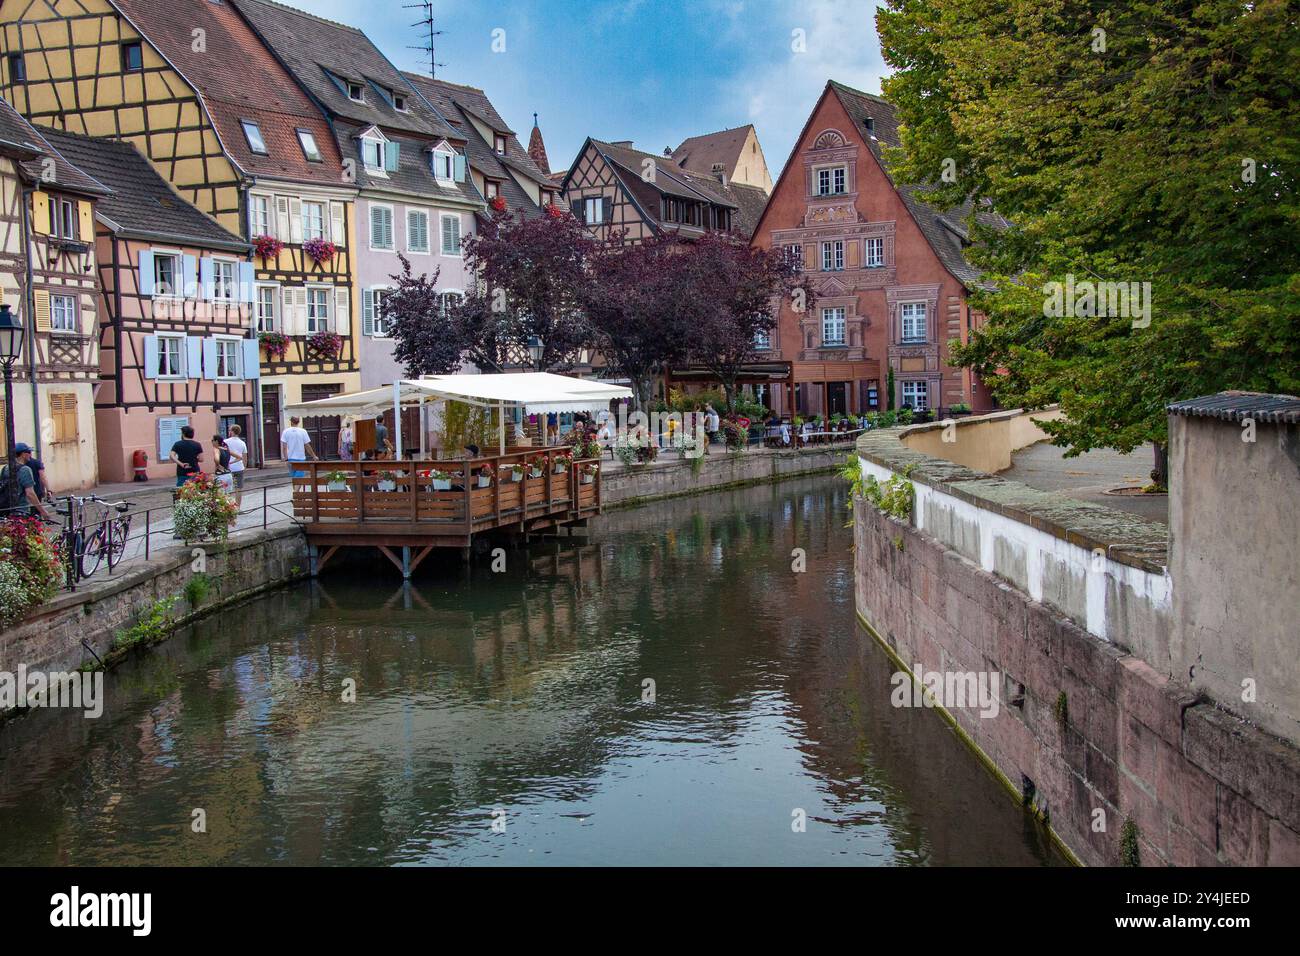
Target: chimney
{"points": [[720, 173], [625, 143]]}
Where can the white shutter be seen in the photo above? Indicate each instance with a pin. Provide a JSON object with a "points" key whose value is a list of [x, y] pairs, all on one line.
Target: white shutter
{"points": [[368, 312], [283, 231], [294, 310], [336, 224], [343, 312], [295, 219]]}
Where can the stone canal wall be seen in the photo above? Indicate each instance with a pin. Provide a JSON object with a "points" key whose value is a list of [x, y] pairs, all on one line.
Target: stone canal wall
{"points": [[1072, 607], [672, 476]]}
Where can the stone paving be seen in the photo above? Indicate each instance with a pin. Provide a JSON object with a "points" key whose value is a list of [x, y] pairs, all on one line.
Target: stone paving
{"points": [[1088, 476]]}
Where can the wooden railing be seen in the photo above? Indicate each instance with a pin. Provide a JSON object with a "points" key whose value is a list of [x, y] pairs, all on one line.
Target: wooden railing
{"points": [[458, 495]]}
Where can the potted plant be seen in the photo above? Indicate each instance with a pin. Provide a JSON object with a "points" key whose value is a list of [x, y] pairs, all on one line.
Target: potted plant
{"points": [[387, 481], [31, 567], [536, 465], [275, 343], [589, 472], [563, 462], [326, 345], [516, 472], [267, 247], [440, 480], [336, 481], [485, 474], [961, 408], [320, 250], [203, 510]]}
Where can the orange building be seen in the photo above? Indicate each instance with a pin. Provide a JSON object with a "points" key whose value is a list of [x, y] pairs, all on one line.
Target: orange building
{"points": [[890, 272]]}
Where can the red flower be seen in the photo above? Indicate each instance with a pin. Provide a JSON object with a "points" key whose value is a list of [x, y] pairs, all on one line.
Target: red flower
{"points": [[499, 203]]}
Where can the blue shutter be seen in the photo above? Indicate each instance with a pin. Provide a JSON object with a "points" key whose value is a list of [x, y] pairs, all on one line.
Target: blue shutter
{"points": [[207, 275], [392, 151], [460, 168], [246, 282], [150, 341], [209, 359], [189, 277], [368, 312], [193, 357], [252, 361], [146, 280]]}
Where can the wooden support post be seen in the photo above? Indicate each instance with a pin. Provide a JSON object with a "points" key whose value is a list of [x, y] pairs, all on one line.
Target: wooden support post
{"points": [[406, 563]]}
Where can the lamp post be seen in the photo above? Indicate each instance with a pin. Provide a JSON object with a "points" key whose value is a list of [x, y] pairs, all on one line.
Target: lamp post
{"points": [[11, 347]]}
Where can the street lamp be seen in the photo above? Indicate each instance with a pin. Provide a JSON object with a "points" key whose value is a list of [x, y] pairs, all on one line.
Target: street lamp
{"points": [[11, 347]]}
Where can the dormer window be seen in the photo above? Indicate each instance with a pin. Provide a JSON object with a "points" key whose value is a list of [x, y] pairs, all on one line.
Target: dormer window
{"points": [[372, 153], [355, 93], [491, 189], [399, 102], [444, 165], [253, 133], [500, 145], [309, 147]]}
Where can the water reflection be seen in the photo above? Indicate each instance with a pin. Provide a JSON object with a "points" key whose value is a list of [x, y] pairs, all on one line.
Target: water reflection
{"points": [[522, 694]]}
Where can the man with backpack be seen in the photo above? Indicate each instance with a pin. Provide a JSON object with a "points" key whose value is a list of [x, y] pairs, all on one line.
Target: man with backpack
{"points": [[24, 501]]}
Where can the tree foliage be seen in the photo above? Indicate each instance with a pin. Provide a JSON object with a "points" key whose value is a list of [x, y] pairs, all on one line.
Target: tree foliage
{"points": [[423, 340], [1151, 141]]}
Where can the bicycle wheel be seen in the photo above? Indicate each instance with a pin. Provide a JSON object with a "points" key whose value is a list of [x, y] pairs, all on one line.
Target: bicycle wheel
{"points": [[122, 527], [93, 553]]}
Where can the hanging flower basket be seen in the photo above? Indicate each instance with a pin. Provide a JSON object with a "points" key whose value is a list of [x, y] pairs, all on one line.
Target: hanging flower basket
{"points": [[554, 211], [562, 463], [268, 247], [485, 474], [326, 345], [589, 472], [516, 472], [498, 203], [536, 465], [320, 250], [275, 343]]}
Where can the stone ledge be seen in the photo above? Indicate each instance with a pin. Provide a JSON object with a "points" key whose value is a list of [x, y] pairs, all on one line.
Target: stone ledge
{"points": [[1125, 539]]}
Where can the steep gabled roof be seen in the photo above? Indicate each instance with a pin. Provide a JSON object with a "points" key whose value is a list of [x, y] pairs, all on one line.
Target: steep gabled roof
{"points": [[142, 204], [35, 151], [239, 79], [323, 54], [414, 173], [699, 153]]}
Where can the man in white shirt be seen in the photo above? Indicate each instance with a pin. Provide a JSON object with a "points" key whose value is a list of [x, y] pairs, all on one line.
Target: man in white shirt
{"points": [[238, 460], [295, 446]]}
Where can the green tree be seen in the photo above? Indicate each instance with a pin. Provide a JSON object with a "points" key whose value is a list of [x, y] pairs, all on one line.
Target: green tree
{"points": [[1149, 142]]}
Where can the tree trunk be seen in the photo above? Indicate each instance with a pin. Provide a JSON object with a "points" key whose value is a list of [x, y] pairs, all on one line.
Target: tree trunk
{"points": [[1160, 473], [729, 390]]}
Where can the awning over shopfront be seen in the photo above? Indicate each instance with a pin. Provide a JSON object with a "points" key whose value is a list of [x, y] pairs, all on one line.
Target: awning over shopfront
{"points": [[536, 393]]}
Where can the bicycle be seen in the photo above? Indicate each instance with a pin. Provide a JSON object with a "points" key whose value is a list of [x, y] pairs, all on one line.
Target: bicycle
{"points": [[86, 552]]}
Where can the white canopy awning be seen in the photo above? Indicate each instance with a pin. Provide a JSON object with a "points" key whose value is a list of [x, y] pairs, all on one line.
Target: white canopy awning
{"points": [[534, 392]]}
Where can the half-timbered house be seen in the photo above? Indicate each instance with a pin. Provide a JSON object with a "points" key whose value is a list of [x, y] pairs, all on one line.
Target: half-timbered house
{"points": [[890, 273], [197, 91], [57, 298], [175, 335], [618, 190]]}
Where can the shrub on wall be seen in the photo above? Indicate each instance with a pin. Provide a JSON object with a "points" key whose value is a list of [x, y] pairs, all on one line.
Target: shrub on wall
{"points": [[31, 569]]}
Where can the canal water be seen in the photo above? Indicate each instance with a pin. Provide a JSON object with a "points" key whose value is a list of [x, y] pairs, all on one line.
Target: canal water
{"points": [[667, 690]]}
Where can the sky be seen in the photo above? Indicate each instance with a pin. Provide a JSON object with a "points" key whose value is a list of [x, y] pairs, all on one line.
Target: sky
{"points": [[652, 71]]}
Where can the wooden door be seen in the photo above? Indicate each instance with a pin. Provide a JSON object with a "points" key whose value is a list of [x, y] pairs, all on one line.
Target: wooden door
{"points": [[271, 422], [323, 429]]}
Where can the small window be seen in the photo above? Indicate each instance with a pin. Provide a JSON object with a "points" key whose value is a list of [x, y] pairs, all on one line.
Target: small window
{"points": [[831, 182], [547, 198], [254, 136], [500, 145], [313, 220], [17, 68], [594, 207], [267, 297], [833, 256], [355, 93], [372, 154], [381, 227], [443, 165], [875, 254], [63, 219], [794, 254], [916, 395], [63, 313], [228, 359], [492, 189], [309, 147], [451, 235], [132, 57], [224, 279], [318, 310], [448, 301], [171, 356], [762, 341], [399, 102], [166, 274], [913, 316], [379, 319], [833, 326], [259, 215]]}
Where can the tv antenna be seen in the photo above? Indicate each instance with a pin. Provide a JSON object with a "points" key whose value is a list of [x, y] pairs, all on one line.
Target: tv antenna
{"points": [[427, 23]]}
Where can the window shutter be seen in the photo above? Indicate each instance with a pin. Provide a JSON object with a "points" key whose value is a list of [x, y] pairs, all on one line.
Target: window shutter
{"points": [[252, 361], [209, 359], [40, 212], [368, 312], [146, 272], [283, 230], [151, 356], [392, 154], [851, 260], [809, 251], [343, 312], [337, 235], [459, 168], [189, 278], [86, 227], [295, 220], [193, 356], [207, 276], [63, 413], [42, 297], [246, 282]]}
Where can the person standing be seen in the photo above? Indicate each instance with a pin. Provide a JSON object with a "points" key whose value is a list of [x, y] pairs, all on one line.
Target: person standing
{"points": [[238, 461], [221, 454], [186, 453], [295, 446], [711, 424], [29, 502], [383, 447], [347, 439]]}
